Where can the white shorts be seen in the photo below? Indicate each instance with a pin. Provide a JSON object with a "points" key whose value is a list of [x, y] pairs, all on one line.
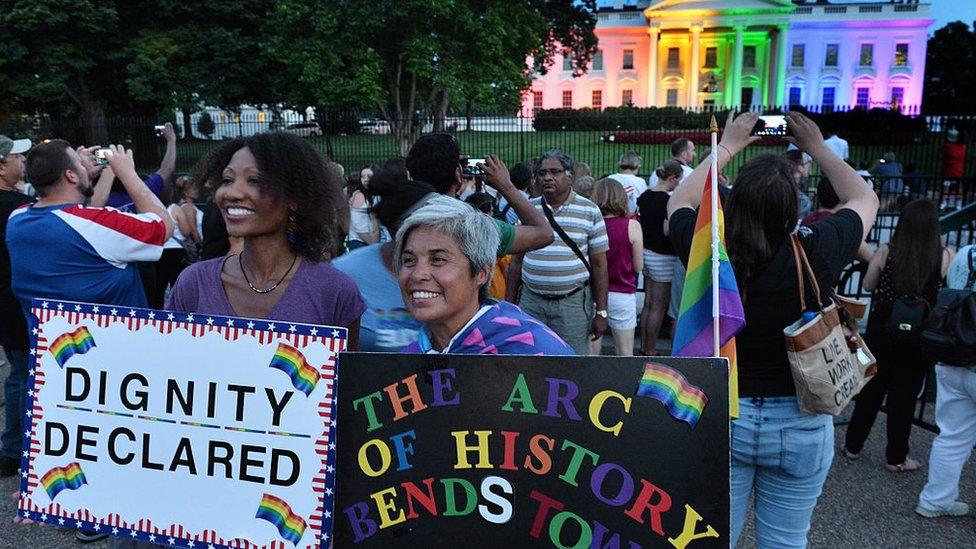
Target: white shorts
{"points": [[658, 267], [622, 311]]}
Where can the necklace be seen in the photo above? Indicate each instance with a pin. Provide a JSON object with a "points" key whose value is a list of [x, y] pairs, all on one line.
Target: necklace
{"points": [[240, 261]]}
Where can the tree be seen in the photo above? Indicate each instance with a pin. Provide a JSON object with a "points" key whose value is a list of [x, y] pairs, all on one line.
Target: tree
{"points": [[205, 124], [410, 58], [950, 70]]}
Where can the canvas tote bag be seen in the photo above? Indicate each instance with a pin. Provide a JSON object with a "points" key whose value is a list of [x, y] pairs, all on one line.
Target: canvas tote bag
{"points": [[828, 357]]}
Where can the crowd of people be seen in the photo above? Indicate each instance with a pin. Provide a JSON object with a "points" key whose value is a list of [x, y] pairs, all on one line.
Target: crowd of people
{"points": [[417, 253]]}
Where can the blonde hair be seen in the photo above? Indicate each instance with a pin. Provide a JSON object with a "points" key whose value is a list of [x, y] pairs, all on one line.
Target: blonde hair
{"points": [[610, 196], [581, 170]]}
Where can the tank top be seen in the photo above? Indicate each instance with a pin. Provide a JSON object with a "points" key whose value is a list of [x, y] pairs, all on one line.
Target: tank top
{"points": [[882, 301], [620, 259]]}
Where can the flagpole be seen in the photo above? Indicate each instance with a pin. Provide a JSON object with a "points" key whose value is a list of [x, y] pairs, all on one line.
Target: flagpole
{"points": [[716, 336]]}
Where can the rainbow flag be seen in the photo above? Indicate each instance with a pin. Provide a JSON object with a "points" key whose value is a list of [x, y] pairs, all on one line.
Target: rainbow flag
{"points": [[683, 400], [73, 343], [69, 477], [292, 362], [277, 512], [693, 336]]}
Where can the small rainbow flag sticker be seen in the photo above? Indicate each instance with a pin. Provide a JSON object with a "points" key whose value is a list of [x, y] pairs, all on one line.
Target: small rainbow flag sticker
{"points": [[683, 400], [69, 477], [277, 512], [73, 343], [292, 362]]}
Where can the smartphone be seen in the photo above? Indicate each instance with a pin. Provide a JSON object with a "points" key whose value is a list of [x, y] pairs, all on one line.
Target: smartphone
{"points": [[101, 156], [771, 124], [472, 167], [159, 129]]}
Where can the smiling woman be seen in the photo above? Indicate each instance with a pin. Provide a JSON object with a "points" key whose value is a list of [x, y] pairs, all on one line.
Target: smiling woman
{"points": [[444, 257], [275, 194]]}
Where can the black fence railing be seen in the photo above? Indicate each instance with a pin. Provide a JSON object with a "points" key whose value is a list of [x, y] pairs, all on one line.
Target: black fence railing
{"points": [[597, 137]]}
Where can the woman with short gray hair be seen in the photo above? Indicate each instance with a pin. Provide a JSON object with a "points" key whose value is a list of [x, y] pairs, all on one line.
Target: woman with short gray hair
{"points": [[443, 259]]}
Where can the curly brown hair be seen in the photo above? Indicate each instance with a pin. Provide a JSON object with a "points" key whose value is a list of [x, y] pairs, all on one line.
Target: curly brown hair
{"points": [[289, 165]]}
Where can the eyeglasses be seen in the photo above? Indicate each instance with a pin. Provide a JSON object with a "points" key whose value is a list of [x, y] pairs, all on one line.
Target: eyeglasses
{"points": [[555, 172]]}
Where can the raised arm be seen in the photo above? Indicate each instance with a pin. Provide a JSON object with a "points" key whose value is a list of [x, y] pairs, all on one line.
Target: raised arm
{"points": [[145, 201], [168, 165], [534, 232], [735, 137], [854, 193], [102, 188]]}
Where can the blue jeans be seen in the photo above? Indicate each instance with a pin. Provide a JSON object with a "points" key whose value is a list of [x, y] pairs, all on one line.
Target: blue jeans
{"points": [[15, 394], [781, 456]]}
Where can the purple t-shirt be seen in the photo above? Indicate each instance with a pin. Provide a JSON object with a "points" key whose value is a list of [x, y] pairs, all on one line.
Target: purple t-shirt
{"points": [[318, 294], [121, 200]]}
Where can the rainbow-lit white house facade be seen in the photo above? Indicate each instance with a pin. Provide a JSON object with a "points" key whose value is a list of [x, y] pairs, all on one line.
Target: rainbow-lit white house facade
{"points": [[725, 53]]}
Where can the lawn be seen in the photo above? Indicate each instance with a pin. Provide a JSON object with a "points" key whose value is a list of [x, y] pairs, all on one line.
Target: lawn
{"points": [[355, 151]]}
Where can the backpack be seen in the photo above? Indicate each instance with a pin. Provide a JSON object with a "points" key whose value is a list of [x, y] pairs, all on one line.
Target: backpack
{"points": [[908, 315], [949, 334]]}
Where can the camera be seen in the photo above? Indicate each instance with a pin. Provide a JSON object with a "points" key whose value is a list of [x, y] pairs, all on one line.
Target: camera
{"points": [[159, 129], [101, 156], [472, 167], [771, 124]]}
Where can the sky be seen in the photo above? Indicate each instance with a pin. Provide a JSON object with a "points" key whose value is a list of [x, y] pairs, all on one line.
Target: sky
{"points": [[946, 11]]}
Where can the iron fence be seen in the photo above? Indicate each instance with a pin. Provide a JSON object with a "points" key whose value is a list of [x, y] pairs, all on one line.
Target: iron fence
{"points": [[595, 137]]}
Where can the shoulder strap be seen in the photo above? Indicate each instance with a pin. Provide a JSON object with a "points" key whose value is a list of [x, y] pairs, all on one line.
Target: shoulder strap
{"points": [[972, 268], [804, 270], [562, 234]]}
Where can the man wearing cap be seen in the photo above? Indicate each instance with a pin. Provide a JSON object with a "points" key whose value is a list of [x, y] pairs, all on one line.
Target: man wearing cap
{"points": [[13, 326]]}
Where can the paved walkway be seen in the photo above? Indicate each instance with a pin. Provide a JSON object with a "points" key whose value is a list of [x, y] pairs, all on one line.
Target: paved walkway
{"points": [[863, 506]]}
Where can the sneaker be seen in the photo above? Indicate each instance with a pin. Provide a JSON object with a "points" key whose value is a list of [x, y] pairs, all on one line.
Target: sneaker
{"points": [[87, 536], [955, 509], [9, 466]]}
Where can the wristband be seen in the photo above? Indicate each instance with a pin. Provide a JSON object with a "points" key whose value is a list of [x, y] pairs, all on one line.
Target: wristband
{"points": [[726, 150]]}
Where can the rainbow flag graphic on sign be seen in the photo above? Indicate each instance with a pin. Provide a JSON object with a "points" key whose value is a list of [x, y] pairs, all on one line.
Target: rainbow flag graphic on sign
{"points": [[69, 477], [292, 362], [73, 343], [277, 512], [683, 400]]}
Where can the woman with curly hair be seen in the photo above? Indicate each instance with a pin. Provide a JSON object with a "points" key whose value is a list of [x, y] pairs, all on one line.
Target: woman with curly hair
{"points": [[276, 194]]}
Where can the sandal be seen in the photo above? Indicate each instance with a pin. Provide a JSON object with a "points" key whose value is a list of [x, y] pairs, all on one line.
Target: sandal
{"points": [[906, 466]]}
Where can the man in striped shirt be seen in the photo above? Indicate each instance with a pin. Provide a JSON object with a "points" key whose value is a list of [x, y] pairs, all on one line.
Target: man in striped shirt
{"points": [[560, 289]]}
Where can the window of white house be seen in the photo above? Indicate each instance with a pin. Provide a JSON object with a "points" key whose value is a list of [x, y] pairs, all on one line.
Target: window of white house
{"points": [[867, 55], [597, 99], [796, 96], [796, 60], [628, 60], [597, 63], [674, 58], [711, 57], [830, 57], [862, 97], [749, 57], [672, 98], [567, 99], [537, 100], [901, 55], [627, 98], [567, 62], [829, 94], [897, 96]]}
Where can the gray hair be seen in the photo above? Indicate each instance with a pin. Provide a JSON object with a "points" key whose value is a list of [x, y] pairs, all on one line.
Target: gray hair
{"points": [[474, 232], [630, 160], [562, 157]]}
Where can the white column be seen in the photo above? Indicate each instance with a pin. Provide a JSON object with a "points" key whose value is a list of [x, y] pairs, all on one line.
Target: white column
{"points": [[781, 56], [737, 68], [652, 79], [695, 65]]}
